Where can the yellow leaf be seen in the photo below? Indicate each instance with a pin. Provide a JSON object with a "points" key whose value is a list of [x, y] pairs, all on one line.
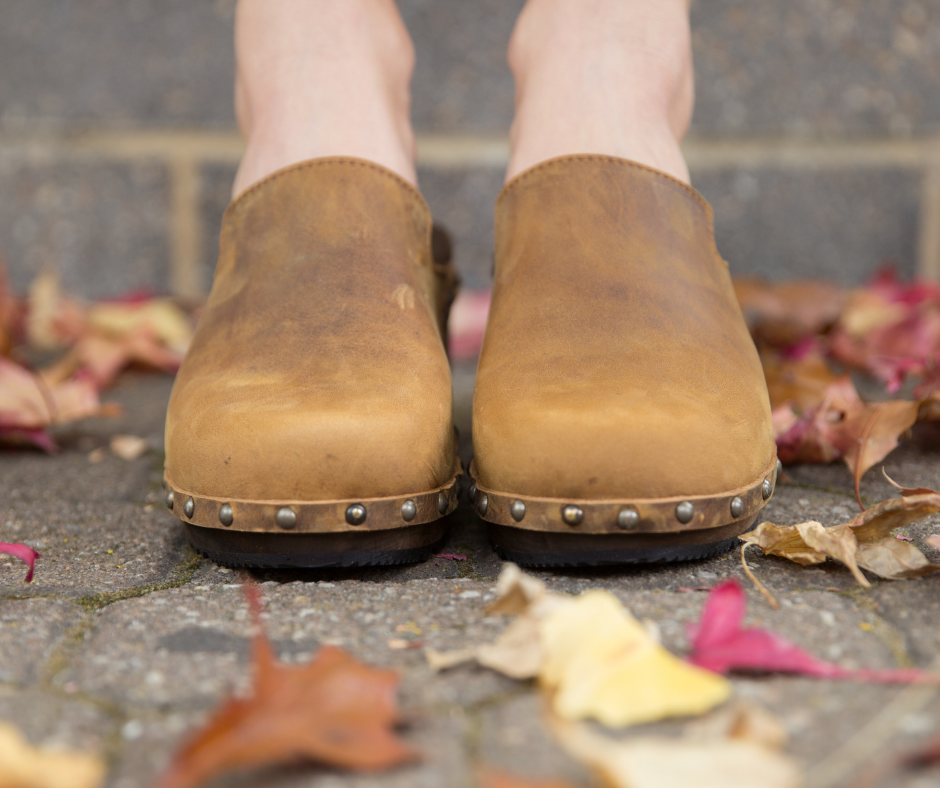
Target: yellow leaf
{"points": [[600, 662], [166, 321], [24, 766]]}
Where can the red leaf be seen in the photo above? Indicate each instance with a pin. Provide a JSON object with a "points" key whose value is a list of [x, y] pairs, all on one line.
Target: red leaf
{"points": [[450, 556], [721, 644], [24, 553]]}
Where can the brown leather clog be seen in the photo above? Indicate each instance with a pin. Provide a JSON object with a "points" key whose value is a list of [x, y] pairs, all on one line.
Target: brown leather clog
{"points": [[620, 411], [311, 422]]}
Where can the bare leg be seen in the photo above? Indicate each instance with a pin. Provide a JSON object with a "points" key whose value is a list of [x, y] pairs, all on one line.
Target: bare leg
{"points": [[602, 76], [322, 78]]}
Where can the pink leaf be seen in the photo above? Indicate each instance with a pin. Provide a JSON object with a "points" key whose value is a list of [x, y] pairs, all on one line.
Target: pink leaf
{"points": [[467, 323], [721, 644], [41, 439], [24, 553]]}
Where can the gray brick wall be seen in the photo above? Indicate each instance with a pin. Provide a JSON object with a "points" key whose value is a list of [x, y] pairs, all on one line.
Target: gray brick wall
{"points": [[813, 136]]}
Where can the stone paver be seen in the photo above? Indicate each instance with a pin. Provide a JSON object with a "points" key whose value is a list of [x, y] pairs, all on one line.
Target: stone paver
{"points": [[126, 661]]}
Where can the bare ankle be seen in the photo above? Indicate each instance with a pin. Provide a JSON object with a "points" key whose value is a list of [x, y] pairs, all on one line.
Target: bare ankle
{"points": [[611, 77], [319, 78]]}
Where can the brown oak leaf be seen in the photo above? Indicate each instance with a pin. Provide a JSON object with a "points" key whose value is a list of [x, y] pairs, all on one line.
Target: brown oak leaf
{"points": [[334, 710]]}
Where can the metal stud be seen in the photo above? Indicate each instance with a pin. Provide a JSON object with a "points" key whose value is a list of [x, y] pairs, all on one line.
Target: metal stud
{"points": [[517, 510], [767, 488], [628, 518], [737, 507], [285, 518], [472, 492], [189, 507], [409, 510], [572, 515], [356, 514], [443, 502], [779, 468], [483, 503], [685, 511], [226, 515], [169, 500]]}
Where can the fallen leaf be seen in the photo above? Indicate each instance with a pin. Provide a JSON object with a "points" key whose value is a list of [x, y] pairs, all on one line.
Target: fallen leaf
{"points": [[783, 313], [28, 404], [104, 357], [800, 381], [129, 447], [24, 766], [496, 778], [600, 662], [722, 644], [838, 542], [24, 553], [591, 657], [450, 556], [868, 436], [53, 320], [893, 558], [934, 541], [466, 323], [334, 710], [905, 491], [655, 762], [866, 534]]}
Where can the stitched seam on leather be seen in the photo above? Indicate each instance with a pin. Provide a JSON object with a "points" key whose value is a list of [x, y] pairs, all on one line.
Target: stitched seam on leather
{"points": [[324, 161], [675, 182]]}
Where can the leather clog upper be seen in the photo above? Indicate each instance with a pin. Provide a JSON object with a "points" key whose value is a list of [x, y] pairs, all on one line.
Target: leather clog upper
{"points": [[318, 370], [616, 362]]}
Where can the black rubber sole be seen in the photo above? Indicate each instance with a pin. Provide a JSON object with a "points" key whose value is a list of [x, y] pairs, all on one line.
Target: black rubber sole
{"points": [[252, 550], [545, 549]]}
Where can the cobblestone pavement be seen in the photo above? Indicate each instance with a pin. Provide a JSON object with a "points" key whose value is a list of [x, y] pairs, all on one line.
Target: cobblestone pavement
{"points": [[126, 638]]}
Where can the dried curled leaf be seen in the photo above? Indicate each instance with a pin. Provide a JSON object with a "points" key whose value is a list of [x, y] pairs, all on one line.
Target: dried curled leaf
{"points": [[861, 542], [24, 766], [334, 710]]}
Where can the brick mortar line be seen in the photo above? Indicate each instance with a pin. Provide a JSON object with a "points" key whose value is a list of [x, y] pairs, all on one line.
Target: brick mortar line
{"points": [[185, 151], [456, 150]]}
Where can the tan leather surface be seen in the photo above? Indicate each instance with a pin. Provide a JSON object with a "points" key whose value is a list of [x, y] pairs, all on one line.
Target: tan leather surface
{"points": [[318, 371], [616, 362]]}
